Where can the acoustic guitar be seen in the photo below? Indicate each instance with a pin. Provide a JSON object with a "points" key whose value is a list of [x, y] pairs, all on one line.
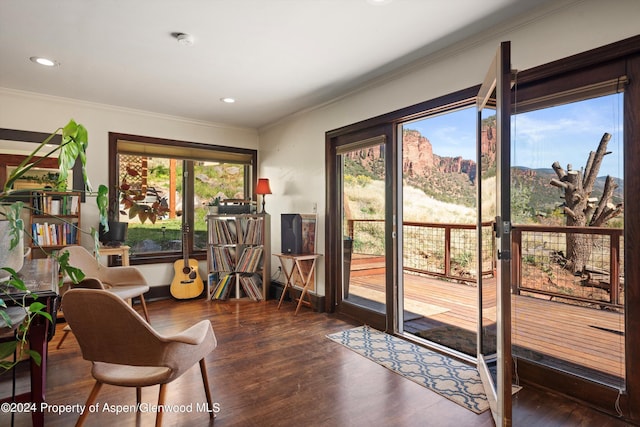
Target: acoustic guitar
{"points": [[186, 281]]}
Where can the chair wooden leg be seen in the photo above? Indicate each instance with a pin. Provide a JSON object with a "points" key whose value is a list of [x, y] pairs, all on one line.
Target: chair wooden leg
{"points": [[64, 336], [90, 400], [138, 395], [161, 397], [207, 390], [144, 308]]}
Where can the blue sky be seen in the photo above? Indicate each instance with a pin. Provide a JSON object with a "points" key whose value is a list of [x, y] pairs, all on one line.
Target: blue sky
{"points": [[565, 133]]}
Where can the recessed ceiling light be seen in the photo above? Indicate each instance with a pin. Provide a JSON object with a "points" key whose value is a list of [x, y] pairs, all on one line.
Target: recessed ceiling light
{"points": [[228, 100], [44, 61]]}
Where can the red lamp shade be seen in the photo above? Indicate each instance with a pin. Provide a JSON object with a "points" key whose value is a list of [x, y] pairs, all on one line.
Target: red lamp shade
{"points": [[263, 186]]}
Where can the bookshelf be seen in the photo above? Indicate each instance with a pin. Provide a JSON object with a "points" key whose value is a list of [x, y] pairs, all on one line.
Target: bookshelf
{"points": [[238, 256], [54, 221]]}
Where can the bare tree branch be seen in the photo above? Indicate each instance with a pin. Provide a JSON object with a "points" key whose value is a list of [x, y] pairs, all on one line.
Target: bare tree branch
{"points": [[607, 194], [592, 173], [558, 169], [559, 184], [569, 212], [589, 165], [609, 212]]}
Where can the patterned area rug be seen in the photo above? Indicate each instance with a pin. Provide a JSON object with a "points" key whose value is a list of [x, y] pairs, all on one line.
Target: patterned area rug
{"points": [[450, 378]]}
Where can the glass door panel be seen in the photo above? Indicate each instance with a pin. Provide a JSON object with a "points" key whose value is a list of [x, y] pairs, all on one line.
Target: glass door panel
{"points": [[573, 281], [363, 224]]}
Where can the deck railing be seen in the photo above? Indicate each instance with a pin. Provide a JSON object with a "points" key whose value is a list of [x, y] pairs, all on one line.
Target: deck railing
{"points": [[435, 249], [538, 257]]}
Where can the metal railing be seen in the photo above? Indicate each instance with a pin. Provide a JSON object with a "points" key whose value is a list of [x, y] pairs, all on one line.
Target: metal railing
{"points": [[538, 265], [539, 261], [436, 249]]}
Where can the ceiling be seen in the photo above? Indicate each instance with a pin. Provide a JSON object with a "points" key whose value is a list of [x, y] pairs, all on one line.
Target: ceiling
{"points": [[275, 57]]}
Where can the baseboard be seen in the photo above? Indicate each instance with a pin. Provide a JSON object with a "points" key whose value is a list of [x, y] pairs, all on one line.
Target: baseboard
{"points": [[275, 291], [158, 293]]}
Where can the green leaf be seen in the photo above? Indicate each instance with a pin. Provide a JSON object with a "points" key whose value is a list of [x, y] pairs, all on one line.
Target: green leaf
{"points": [[35, 356], [15, 281], [75, 274], [39, 309], [6, 319], [16, 224], [102, 200], [36, 306], [74, 146], [7, 348]]}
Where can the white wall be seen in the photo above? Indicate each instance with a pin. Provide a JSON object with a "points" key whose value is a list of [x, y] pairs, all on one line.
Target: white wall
{"points": [[292, 151], [34, 112]]}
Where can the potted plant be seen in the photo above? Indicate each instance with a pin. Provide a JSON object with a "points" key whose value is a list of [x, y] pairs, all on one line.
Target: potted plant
{"points": [[133, 202], [132, 199], [73, 146]]}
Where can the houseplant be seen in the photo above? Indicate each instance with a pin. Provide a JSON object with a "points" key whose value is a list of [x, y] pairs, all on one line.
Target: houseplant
{"points": [[73, 146], [133, 200]]}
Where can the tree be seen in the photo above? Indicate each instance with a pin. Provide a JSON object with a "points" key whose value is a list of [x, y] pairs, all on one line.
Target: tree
{"points": [[580, 208]]}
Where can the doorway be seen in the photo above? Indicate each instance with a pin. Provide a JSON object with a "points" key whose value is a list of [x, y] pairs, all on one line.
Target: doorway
{"points": [[438, 250]]}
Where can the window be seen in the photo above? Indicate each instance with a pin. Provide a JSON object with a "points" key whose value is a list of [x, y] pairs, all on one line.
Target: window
{"points": [[181, 176]]}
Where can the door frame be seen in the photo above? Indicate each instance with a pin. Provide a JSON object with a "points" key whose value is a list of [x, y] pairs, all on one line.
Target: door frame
{"points": [[498, 81], [334, 231]]}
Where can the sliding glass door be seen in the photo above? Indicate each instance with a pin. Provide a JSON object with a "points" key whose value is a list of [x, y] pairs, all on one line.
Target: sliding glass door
{"points": [[566, 306]]}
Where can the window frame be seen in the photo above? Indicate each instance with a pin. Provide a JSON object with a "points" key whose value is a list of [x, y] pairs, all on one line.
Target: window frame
{"points": [[172, 146]]}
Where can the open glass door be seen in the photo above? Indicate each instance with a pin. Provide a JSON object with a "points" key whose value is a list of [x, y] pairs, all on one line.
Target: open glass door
{"points": [[494, 319]]}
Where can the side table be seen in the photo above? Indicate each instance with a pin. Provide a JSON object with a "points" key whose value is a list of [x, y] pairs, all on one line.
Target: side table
{"points": [[291, 263]]}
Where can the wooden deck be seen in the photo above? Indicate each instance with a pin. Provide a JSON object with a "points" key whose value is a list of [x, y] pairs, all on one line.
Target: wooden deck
{"points": [[585, 341]]}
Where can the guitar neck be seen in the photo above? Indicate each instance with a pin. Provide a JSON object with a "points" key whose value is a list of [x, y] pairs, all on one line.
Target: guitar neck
{"points": [[185, 249]]}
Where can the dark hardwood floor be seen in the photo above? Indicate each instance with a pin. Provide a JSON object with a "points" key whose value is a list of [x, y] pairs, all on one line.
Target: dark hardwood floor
{"points": [[272, 368]]}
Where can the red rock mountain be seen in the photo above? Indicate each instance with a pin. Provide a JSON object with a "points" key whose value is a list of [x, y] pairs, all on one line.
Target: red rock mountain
{"points": [[420, 161]]}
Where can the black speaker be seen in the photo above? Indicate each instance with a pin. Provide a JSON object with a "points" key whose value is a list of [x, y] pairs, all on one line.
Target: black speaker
{"points": [[291, 233]]}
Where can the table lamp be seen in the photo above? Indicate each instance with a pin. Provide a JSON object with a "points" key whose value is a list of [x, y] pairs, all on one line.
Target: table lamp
{"points": [[264, 189]]}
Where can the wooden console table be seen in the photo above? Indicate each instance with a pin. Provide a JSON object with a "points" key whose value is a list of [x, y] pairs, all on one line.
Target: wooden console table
{"points": [[41, 278], [293, 263]]}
